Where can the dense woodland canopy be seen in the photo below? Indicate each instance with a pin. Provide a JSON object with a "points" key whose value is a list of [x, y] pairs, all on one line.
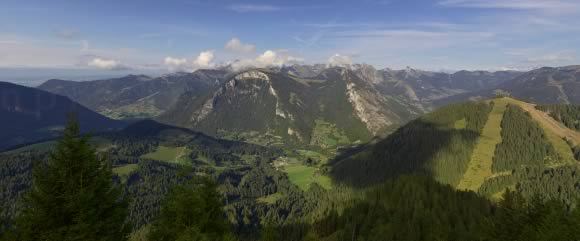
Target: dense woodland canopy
{"points": [[399, 189], [523, 142], [72, 196], [430, 145]]}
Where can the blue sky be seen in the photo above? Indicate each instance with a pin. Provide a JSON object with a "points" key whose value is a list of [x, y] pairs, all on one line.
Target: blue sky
{"points": [[143, 35]]}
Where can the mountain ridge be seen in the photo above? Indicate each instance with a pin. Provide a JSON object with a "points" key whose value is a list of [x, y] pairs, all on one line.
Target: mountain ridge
{"points": [[29, 115]]}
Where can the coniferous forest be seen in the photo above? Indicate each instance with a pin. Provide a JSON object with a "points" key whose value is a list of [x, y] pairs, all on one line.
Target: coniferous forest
{"points": [[289, 120], [68, 191]]}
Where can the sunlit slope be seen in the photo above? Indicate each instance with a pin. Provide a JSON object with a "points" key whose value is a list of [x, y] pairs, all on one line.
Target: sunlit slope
{"points": [[482, 158], [483, 146]]}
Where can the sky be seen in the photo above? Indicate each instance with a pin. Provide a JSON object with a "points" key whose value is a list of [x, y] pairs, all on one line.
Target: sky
{"points": [[142, 36]]}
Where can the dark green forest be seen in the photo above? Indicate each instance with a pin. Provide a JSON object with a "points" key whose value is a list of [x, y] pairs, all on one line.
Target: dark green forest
{"points": [[523, 142], [401, 188], [429, 145]]}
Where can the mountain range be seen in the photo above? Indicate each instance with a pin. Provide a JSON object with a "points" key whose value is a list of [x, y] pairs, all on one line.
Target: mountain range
{"points": [[545, 85], [308, 105], [135, 96], [301, 142], [29, 115]]}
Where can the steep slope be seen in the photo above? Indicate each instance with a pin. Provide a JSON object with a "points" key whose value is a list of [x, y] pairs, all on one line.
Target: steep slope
{"points": [[481, 159], [291, 109], [544, 86], [484, 146], [29, 115], [135, 96]]}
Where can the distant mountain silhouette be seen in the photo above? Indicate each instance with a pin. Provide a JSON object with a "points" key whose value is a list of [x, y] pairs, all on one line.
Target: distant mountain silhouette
{"points": [[28, 115]]}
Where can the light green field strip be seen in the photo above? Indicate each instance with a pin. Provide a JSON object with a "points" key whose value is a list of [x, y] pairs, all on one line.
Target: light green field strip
{"points": [[498, 196], [302, 176], [125, 170], [169, 154], [270, 199], [482, 157]]}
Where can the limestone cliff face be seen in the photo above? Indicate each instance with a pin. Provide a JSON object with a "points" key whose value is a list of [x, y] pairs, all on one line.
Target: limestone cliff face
{"points": [[341, 103], [249, 83]]}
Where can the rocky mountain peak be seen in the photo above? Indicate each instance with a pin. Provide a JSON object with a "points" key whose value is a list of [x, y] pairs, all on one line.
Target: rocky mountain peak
{"points": [[252, 74]]}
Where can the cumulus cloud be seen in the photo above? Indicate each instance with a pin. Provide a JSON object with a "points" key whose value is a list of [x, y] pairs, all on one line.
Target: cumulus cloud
{"points": [[204, 60], [269, 58], [175, 64], [559, 6], [339, 60], [236, 45], [108, 64]]}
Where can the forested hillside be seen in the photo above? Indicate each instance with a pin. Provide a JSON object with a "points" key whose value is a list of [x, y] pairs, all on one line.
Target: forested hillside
{"points": [[29, 115], [569, 115], [443, 174], [439, 144], [485, 147]]}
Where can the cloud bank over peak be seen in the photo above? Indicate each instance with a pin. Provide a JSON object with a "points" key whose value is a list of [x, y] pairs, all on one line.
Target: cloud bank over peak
{"points": [[107, 64], [175, 64], [270, 58], [204, 60], [339, 60]]}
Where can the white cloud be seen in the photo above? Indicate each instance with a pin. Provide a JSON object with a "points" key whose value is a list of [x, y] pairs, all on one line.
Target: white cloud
{"points": [[250, 8], [236, 45], [109, 64], [204, 60], [339, 60], [277, 58], [175, 64], [559, 58], [559, 6], [269, 58]]}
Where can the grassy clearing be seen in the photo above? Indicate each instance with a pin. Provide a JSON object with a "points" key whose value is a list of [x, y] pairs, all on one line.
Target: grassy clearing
{"points": [[496, 197], [125, 170], [562, 148], [270, 199], [482, 157], [326, 135], [43, 146], [555, 131], [177, 155], [313, 155], [303, 176], [460, 124]]}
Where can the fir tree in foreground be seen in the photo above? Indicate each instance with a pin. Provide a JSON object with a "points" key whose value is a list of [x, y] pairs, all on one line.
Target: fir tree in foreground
{"points": [[192, 212], [530, 220], [73, 196]]}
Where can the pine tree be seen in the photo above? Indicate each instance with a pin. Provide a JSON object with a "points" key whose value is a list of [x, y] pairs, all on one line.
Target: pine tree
{"points": [[192, 212], [73, 196]]}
